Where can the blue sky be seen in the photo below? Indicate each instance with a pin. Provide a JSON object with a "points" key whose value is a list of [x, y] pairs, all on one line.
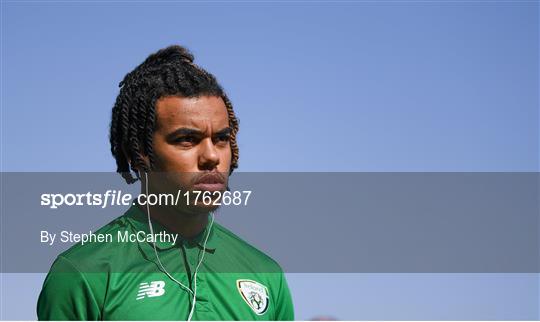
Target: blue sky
{"points": [[392, 86], [317, 86]]}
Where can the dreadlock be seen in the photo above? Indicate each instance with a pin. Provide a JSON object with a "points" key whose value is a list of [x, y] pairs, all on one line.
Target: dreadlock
{"points": [[168, 72]]}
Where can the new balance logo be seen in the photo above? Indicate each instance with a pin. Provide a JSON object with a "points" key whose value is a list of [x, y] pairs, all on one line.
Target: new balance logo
{"points": [[153, 289]]}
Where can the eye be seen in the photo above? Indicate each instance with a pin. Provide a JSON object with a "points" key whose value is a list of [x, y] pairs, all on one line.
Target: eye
{"points": [[185, 140]]}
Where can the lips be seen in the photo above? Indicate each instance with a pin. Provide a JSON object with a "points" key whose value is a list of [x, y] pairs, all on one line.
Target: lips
{"points": [[210, 182]]}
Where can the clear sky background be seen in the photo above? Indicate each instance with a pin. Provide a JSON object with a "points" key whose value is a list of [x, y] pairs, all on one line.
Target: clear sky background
{"points": [[317, 86]]}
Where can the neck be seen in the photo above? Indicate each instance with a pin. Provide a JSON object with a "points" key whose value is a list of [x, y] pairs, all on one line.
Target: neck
{"points": [[186, 224]]}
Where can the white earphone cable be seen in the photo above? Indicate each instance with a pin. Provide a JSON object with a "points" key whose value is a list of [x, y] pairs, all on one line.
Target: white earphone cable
{"points": [[197, 269], [194, 292]]}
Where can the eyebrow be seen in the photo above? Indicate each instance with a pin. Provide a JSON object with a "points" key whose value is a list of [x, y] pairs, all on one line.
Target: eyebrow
{"points": [[224, 131], [185, 131]]}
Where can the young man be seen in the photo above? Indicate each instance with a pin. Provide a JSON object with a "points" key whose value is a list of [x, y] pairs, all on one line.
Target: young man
{"points": [[173, 128]]}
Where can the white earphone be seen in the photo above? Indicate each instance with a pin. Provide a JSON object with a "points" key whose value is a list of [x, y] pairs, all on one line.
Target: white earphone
{"points": [[194, 292]]}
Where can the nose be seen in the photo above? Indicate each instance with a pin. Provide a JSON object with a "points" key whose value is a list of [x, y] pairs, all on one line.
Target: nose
{"points": [[208, 157]]}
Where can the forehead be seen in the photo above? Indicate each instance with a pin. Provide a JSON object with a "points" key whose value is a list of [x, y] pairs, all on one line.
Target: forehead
{"points": [[194, 112]]}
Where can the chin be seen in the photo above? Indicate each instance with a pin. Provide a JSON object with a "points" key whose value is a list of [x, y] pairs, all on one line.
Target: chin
{"points": [[203, 209]]}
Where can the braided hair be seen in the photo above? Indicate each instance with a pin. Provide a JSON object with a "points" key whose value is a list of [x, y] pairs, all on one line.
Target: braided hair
{"points": [[168, 72]]}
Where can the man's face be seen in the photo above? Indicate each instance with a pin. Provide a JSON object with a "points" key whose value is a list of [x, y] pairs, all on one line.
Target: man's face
{"points": [[191, 144]]}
